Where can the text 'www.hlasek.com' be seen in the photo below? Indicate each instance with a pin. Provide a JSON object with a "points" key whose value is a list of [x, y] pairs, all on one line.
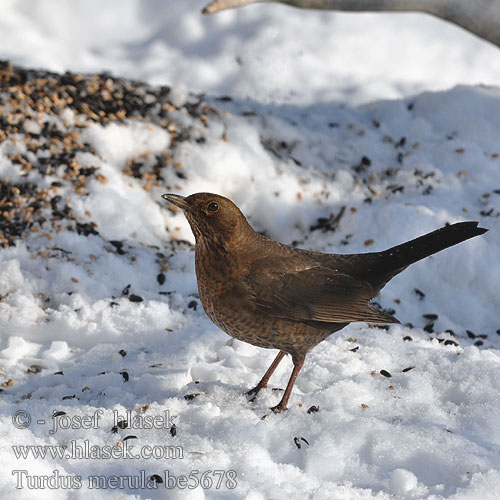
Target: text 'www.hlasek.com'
{"points": [[72, 451]]}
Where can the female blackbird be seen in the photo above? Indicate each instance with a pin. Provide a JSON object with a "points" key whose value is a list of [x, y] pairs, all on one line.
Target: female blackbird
{"points": [[276, 296]]}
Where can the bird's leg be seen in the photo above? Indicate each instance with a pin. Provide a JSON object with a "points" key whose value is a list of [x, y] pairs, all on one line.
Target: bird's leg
{"points": [[265, 379], [281, 406]]}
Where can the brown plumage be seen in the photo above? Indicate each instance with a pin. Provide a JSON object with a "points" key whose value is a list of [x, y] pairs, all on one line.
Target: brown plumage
{"points": [[276, 296]]}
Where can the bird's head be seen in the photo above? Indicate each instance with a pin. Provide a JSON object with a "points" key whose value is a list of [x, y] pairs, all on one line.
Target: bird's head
{"points": [[213, 218]]}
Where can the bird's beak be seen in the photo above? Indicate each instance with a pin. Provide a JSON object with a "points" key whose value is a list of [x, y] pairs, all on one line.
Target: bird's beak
{"points": [[177, 200]]}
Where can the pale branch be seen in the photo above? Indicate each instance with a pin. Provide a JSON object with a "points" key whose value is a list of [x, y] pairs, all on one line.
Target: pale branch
{"points": [[481, 17]]}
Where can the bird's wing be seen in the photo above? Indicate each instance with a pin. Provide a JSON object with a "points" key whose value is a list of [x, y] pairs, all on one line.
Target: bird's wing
{"points": [[305, 291]]}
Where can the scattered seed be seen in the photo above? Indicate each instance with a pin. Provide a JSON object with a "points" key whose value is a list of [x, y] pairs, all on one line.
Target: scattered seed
{"points": [[190, 397], [419, 293], [122, 353], [363, 165], [118, 245], [126, 438], [363, 405], [125, 375], [431, 317], [156, 479], [121, 424], [407, 338], [85, 228], [404, 370], [58, 414], [35, 369], [385, 373], [173, 430], [69, 397], [160, 278], [486, 213], [313, 409], [330, 223], [135, 298], [296, 440]]}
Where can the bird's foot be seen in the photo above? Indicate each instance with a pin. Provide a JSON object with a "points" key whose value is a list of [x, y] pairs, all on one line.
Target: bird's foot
{"points": [[252, 393], [275, 409], [279, 408]]}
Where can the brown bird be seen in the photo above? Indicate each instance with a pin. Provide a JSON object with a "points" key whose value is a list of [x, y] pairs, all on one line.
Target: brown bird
{"points": [[280, 297]]}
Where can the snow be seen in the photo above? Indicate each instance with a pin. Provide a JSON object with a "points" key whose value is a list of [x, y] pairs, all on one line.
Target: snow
{"points": [[402, 481], [380, 103], [265, 52]]}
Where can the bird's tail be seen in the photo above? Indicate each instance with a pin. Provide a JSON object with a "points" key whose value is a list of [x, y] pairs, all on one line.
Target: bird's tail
{"points": [[397, 258]]}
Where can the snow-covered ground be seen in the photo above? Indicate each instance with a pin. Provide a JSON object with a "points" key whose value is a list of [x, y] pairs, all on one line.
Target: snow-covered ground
{"points": [[99, 311], [266, 52]]}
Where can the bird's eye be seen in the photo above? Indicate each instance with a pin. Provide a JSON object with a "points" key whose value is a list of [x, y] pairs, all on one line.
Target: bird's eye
{"points": [[213, 207]]}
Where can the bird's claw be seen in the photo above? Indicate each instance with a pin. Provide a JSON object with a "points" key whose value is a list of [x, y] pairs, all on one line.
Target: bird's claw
{"points": [[278, 408], [253, 392]]}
